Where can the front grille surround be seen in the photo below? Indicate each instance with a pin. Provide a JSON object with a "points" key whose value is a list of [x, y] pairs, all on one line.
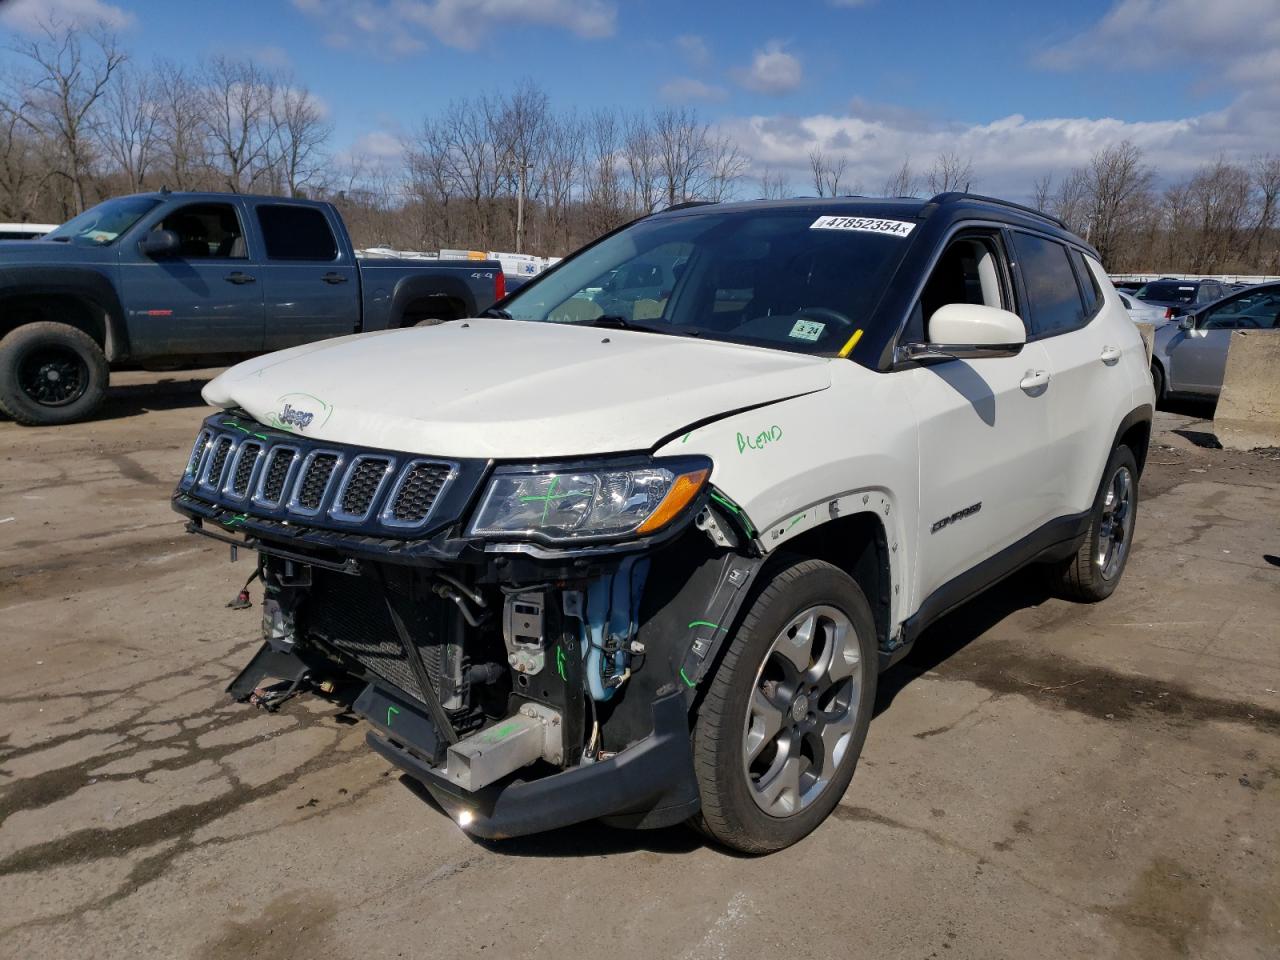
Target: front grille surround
{"points": [[255, 470]]}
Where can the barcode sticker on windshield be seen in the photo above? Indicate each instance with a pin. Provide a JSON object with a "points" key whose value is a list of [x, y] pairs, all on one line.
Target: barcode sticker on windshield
{"points": [[894, 228], [807, 329]]}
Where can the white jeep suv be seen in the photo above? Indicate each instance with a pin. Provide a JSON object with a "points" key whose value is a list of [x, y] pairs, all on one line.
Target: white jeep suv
{"points": [[635, 544]]}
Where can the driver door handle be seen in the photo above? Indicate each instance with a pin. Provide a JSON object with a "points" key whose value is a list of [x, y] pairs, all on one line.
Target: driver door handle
{"points": [[1110, 356], [1034, 381], [238, 278], [334, 278]]}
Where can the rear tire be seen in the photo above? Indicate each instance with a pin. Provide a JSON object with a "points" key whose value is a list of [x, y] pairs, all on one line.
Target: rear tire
{"points": [[1094, 572], [51, 373], [785, 716]]}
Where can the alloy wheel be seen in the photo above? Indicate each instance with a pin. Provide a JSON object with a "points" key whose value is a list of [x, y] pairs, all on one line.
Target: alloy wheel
{"points": [[801, 715], [1115, 531]]}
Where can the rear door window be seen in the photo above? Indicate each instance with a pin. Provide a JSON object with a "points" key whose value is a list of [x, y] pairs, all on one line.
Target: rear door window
{"points": [[1052, 291], [1088, 284], [292, 232]]}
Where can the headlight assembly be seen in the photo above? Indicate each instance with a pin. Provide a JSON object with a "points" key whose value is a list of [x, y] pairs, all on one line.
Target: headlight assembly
{"points": [[591, 502]]}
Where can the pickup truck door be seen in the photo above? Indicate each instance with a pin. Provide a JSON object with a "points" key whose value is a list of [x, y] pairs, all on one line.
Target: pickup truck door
{"points": [[311, 283], [983, 426], [206, 298]]}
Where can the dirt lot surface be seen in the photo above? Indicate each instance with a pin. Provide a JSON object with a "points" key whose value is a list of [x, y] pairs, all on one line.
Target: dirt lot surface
{"points": [[1042, 779]]}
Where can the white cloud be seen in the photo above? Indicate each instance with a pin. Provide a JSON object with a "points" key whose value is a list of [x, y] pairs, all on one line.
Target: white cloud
{"points": [[694, 49], [1008, 154], [27, 16], [1161, 33], [685, 89], [400, 27], [772, 71]]}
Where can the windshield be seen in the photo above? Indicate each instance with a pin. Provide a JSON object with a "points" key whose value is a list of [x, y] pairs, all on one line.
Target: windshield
{"points": [[781, 278], [100, 225], [1168, 292]]}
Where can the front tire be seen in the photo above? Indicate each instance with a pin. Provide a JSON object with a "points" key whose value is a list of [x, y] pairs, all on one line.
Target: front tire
{"points": [[1157, 381], [779, 733], [1094, 572], [51, 373]]}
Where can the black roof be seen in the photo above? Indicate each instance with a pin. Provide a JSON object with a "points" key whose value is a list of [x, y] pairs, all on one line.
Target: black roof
{"points": [[950, 206]]}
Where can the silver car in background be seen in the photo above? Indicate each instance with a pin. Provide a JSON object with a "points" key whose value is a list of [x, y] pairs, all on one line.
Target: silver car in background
{"points": [[1189, 355]]}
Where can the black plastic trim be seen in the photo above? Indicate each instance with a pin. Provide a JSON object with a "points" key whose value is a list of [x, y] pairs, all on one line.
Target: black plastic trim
{"points": [[651, 784]]}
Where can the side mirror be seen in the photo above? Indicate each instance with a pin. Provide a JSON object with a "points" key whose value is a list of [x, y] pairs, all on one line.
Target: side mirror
{"points": [[969, 331], [160, 243], [1187, 322]]}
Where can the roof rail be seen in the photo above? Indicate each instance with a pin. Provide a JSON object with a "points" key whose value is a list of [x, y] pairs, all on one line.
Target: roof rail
{"points": [[689, 203], [954, 195]]}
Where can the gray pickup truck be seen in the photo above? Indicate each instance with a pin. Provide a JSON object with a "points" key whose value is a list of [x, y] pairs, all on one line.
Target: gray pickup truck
{"points": [[167, 280]]}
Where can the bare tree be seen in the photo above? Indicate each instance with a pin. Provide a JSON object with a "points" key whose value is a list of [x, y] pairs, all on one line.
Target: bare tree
{"points": [[1042, 192], [22, 175], [300, 132], [683, 143], [904, 183], [602, 175], [1116, 183], [950, 171], [131, 131], [827, 172], [236, 104], [773, 184], [181, 126], [643, 165], [1265, 170], [69, 79]]}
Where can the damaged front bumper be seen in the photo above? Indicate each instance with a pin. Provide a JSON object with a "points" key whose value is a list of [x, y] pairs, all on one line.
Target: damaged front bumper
{"points": [[526, 689]]}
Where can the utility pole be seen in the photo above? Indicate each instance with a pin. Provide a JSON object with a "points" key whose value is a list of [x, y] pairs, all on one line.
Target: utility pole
{"points": [[520, 210]]}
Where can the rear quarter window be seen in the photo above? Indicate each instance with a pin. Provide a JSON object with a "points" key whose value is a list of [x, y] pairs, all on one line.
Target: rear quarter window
{"points": [[1052, 291], [291, 232]]}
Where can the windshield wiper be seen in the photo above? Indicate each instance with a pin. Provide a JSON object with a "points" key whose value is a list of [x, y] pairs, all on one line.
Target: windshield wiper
{"points": [[614, 321]]}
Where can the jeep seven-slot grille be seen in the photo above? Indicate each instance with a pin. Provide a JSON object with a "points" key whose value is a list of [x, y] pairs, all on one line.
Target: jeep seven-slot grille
{"points": [[244, 468], [287, 478], [417, 493], [277, 470], [221, 450], [361, 485], [316, 480]]}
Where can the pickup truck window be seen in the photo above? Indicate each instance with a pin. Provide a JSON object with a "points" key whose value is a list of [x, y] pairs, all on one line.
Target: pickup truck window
{"points": [[207, 231], [100, 225], [770, 278], [296, 233]]}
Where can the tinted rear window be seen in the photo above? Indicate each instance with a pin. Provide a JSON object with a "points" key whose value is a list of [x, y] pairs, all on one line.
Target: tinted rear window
{"points": [[1169, 292], [296, 233], [1051, 285]]}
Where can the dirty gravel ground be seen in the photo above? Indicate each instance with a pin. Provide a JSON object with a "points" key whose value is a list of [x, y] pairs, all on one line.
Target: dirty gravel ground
{"points": [[1042, 779]]}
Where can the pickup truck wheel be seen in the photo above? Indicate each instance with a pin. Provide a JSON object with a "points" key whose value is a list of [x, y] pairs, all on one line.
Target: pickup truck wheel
{"points": [[1094, 572], [51, 373], [779, 732]]}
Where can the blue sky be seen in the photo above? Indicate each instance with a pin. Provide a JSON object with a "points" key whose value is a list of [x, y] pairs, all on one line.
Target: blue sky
{"points": [[1025, 88]]}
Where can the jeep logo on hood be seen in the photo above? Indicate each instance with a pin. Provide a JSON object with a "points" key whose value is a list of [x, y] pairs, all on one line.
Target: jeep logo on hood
{"points": [[299, 410]]}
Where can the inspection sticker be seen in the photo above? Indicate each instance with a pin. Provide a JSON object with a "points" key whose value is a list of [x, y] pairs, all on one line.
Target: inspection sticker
{"points": [[894, 228], [807, 329]]}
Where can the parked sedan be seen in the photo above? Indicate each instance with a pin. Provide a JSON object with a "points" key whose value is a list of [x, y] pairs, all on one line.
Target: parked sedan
{"points": [[1140, 312], [1189, 357], [1176, 297]]}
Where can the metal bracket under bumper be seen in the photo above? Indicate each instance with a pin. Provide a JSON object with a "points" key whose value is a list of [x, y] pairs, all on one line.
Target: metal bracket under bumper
{"points": [[649, 784]]}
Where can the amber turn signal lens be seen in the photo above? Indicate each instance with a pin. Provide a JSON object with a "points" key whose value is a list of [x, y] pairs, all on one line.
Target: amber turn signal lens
{"points": [[682, 491]]}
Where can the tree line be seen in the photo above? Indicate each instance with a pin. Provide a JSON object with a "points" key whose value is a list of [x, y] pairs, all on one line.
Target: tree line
{"points": [[81, 120]]}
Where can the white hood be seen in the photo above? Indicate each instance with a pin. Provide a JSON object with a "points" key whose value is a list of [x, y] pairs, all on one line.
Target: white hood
{"points": [[509, 389]]}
